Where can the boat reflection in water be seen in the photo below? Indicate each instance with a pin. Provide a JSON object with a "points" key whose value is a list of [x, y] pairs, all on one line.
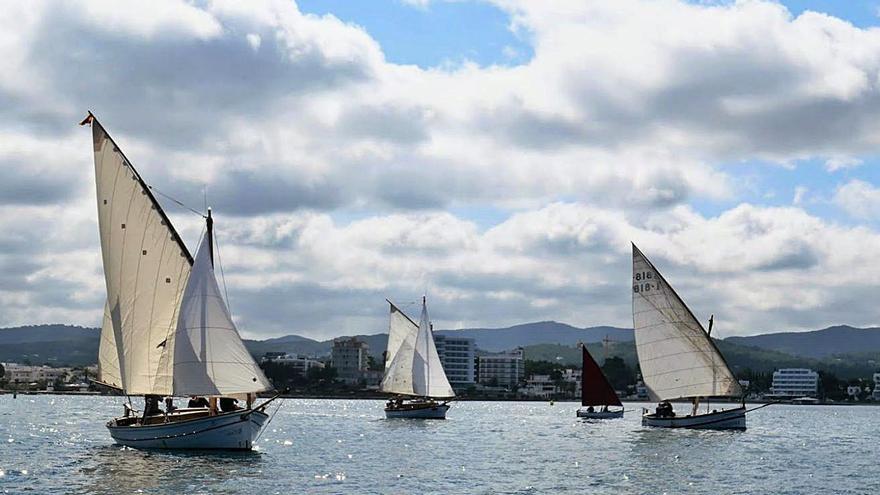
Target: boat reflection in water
{"points": [[116, 470]]}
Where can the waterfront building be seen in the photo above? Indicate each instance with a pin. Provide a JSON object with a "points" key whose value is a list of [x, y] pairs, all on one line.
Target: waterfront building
{"points": [[795, 382], [570, 375], [25, 374], [876, 394], [457, 356], [538, 386], [299, 364], [349, 357], [503, 369]]}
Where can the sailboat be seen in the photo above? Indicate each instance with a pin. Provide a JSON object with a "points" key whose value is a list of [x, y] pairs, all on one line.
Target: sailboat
{"points": [[597, 395], [167, 331], [414, 374], [677, 357]]}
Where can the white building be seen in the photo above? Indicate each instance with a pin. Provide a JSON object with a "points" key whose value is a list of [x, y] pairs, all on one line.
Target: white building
{"points": [[539, 386], [504, 369], [301, 365], [457, 356], [573, 376], [349, 357], [795, 382], [24, 374]]}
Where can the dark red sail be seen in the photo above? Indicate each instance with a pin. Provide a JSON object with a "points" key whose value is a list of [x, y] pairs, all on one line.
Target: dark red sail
{"points": [[595, 389]]}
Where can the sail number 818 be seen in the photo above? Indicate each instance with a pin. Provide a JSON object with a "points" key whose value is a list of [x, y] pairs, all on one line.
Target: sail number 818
{"points": [[642, 282]]}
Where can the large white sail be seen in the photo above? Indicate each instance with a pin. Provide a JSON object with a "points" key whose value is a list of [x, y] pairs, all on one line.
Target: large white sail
{"points": [[145, 269], [429, 378], [209, 356], [676, 356], [402, 333]]}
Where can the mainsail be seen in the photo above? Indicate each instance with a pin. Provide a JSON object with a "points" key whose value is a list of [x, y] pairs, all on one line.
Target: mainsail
{"points": [[595, 389], [415, 368], [676, 356], [146, 266], [400, 328], [209, 356]]}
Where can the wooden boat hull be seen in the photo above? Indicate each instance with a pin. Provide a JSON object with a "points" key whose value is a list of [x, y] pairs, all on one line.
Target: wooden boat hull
{"points": [[613, 414], [418, 411], [730, 419], [235, 430]]}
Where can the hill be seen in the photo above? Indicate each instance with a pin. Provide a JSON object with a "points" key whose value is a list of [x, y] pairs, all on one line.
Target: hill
{"points": [[843, 350], [53, 344], [740, 358], [542, 332], [816, 344]]}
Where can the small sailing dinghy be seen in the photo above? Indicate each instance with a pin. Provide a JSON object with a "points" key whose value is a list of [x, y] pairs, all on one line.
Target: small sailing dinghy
{"points": [[167, 331], [414, 374], [597, 395], [678, 359]]}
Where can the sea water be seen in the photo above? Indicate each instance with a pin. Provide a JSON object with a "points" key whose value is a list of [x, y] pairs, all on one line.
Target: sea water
{"points": [[58, 444]]}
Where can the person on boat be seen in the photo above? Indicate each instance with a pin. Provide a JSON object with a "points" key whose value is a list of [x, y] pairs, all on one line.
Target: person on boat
{"points": [[664, 410], [198, 402], [228, 404], [604, 409], [169, 405], [590, 409], [151, 406]]}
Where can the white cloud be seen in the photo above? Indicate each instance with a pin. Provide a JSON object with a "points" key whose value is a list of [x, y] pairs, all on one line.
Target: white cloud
{"points": [[842, 162], [859, 198]]}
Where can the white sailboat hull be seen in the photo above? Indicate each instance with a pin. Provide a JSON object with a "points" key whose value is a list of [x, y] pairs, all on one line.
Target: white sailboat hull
{"points": [[730, 419], [235, 430], [413, 411], [614, 414]]}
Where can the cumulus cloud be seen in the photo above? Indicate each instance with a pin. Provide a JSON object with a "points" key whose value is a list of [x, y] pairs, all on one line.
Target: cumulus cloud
{"points": [[859, 198], [627, 113]]}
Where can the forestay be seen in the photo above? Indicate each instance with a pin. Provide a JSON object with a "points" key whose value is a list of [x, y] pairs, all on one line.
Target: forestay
{"points": [[399, 355], [209, 356], [145, 270], [676, 356]]}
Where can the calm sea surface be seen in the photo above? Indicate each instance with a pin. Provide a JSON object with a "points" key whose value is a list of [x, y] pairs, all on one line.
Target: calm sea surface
{"points": [[58, 444]]}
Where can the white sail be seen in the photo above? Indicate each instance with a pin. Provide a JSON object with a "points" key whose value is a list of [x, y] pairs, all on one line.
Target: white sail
{"points": [[400, 328], [209, 356], [109, 372], [429, 378], [676, 356], [145, 270], [402, 333]]}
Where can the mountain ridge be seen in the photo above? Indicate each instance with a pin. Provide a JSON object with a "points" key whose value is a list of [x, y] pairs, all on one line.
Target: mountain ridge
{"points": [[58, 343]]}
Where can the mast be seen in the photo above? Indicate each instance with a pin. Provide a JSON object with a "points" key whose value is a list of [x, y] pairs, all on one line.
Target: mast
{"points": [[430, 336], [210, 222]]}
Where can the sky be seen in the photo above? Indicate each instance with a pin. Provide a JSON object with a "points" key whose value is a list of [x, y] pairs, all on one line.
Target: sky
{"points": [[498, 155]]}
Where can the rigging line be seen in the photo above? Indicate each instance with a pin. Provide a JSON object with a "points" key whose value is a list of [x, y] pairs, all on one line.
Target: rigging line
{"points": [[763, 406], [266, 426], [179, 203], [222, 275]]}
